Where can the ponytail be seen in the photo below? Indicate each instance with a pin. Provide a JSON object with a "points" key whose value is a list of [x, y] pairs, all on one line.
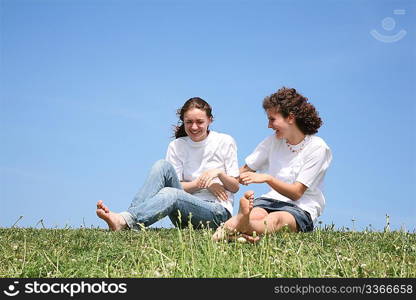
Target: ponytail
{"points": [[180, 131]]}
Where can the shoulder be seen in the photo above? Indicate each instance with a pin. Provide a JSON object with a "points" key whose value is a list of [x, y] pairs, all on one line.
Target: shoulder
{"points": [[222, 137], [271, 141], [317, 142], [269, 145], [178, 143], [317, 147]]}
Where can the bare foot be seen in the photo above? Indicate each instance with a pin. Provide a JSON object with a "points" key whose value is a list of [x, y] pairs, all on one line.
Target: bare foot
{"points": [[241, 223], [238, 223], [114, 221]]}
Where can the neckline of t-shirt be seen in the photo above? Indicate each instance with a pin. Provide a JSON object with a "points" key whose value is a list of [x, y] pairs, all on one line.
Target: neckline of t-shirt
{"points": [[203, 142], [297, 147], [304, 142]]}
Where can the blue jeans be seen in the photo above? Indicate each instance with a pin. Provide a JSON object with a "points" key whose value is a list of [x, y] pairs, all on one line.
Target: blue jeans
{"points": [[162, 195]]}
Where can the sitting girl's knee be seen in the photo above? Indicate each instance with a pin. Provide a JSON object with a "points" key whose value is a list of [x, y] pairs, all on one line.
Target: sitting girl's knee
{"points": [[160, 163], [257, 214], [162, 166]]}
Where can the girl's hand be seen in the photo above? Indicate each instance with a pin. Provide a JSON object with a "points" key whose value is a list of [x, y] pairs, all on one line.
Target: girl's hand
{"points": [[251, 177], [218, 191], [204, 181]]}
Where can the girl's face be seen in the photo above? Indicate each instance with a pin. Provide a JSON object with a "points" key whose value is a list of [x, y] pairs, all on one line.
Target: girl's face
{"points": [[281, 125], [196, 124]]}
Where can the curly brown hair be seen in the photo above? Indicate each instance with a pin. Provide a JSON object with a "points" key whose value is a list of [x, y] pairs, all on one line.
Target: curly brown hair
{"points": [[288, 101]]}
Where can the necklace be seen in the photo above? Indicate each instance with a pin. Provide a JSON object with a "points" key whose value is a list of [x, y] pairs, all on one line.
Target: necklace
{"points": [[299, 147]]}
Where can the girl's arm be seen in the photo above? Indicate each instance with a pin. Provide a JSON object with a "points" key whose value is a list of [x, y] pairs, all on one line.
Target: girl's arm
{"points": [[293, 191], [230, 183], [190, 187]]}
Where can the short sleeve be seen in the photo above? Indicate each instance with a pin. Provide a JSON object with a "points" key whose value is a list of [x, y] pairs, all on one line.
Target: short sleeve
{"points": [[259, 158], [173, 158], [315, 167], [231, 158]]}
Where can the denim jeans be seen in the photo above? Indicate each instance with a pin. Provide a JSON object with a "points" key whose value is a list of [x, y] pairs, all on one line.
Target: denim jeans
{"points": [[162, 195]]}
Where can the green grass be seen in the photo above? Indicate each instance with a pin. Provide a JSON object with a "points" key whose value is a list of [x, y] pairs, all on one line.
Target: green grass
{"points": [[69, 253]]}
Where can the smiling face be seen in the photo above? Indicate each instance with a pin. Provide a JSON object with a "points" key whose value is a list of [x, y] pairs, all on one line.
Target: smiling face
{"points": [[281, 125], [196, 124]]}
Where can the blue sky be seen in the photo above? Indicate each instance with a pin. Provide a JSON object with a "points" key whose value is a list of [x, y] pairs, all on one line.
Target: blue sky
{"points": [[89, 91]]}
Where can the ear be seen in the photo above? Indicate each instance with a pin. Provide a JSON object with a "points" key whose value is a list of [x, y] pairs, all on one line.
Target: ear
{"points": [[291, 119]]}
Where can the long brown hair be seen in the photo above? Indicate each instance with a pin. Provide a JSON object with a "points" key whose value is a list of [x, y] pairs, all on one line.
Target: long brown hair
{"points": [[194, 102]]}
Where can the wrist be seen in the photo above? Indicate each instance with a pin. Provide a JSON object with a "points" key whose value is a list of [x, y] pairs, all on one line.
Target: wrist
{"points": [[268, 178], [195, 185]]}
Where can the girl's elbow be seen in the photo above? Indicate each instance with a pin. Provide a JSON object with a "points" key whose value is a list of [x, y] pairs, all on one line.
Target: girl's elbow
{"points": [[236, 189], [236, 185], [299, 191], [297, 195]]}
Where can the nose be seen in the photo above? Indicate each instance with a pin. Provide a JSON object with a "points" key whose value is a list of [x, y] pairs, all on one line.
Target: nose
{"points": [[194, 126], [270, 124]]}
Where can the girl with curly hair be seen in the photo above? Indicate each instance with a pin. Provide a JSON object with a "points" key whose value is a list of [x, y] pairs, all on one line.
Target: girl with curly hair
{"points": [[294, 161], [195, 183]]}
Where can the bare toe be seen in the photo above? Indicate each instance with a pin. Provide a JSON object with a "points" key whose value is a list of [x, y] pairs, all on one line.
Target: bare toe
{"points": [[99, 204], [246, 204], [249, 194], [114, 221]]}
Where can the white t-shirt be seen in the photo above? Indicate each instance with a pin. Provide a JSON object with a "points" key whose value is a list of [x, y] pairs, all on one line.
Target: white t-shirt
{"points": [[191, 159], [308, 166]]}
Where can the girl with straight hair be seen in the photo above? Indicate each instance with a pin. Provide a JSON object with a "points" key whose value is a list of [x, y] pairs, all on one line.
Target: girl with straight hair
{"points": [[195, 183]]}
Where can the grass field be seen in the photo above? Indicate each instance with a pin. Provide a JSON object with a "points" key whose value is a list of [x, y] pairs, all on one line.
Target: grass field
{"points": [[153, 253]]}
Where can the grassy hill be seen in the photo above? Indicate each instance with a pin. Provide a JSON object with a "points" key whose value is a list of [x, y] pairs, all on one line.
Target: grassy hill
{"points": [[69, 253]]}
